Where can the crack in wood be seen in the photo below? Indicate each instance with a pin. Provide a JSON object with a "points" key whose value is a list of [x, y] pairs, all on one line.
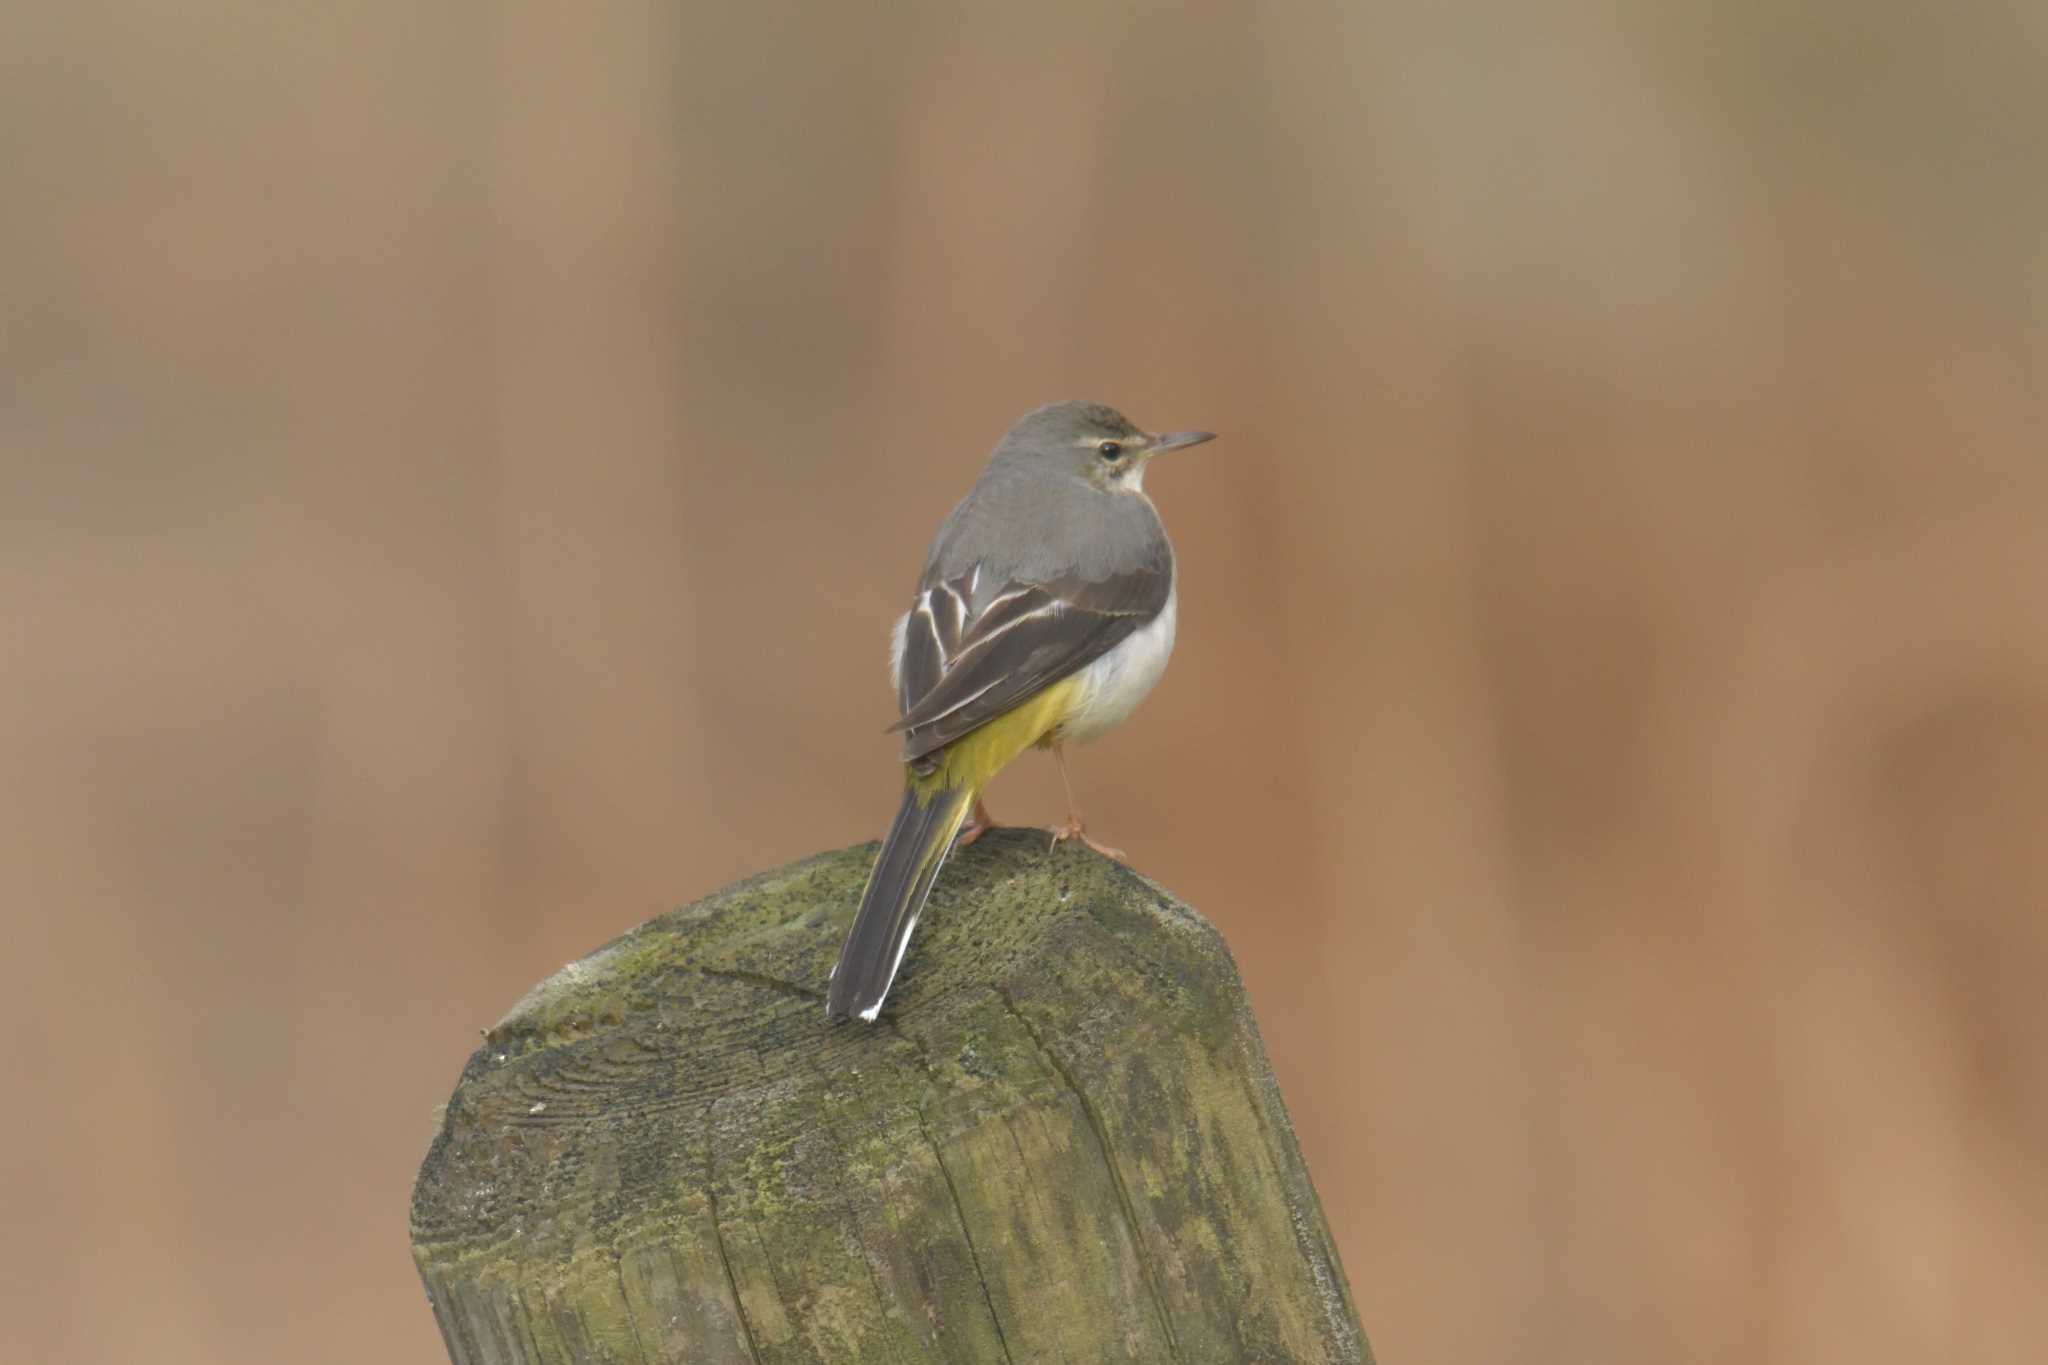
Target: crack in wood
{"points": [[462, 1339], [960, 1212], [732, 1284], [626, 1305], [1116, 1175], [526, 1321]]}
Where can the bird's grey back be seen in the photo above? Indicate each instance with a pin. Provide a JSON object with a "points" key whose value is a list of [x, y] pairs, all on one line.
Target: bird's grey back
{"points": [[1035, 525]]}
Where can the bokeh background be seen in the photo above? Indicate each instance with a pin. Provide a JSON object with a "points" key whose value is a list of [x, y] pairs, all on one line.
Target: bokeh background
{"points": [[460, 462]]}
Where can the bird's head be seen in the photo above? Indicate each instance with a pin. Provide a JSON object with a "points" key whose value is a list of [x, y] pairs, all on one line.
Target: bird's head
{"points": [[1092, 441]]}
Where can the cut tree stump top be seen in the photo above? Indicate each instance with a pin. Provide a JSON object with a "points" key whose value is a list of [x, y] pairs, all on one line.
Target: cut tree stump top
{"points": [[1062, 1141]]}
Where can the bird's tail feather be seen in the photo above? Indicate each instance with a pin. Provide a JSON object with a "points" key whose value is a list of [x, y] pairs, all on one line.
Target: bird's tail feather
{"points": [[911, 856]]}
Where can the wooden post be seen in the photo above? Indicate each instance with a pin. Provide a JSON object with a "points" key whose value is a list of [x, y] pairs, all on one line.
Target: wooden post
{"points": [[1063, 1142]]}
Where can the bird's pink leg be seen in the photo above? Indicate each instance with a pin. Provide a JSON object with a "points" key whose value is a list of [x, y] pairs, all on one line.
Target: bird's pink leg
{"points": [[1073, 828], [978, 823]]}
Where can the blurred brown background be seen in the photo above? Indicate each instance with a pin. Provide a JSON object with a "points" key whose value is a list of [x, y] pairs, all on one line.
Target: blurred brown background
{"points": [[460, 462]]}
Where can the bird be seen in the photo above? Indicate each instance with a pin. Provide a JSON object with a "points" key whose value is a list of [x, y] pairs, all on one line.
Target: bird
{"points": [[1044, 614]]}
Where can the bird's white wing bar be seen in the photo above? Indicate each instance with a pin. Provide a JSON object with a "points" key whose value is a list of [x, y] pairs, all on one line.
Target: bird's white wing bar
{"points": [[1024, 638]]}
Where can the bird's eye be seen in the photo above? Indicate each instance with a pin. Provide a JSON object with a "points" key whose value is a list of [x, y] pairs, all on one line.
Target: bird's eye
{"points": [[1109, 450]]}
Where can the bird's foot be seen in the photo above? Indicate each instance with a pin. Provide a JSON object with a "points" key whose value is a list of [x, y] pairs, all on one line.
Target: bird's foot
{"points": [[978, 823], [1072, 829]]}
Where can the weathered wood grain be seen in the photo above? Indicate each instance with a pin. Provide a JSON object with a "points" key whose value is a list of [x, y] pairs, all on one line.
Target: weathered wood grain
{"points": [[1063, 1142]]}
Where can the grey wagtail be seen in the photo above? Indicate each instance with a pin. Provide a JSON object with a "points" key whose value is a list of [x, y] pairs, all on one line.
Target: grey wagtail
{"points": [[1044, 615]]}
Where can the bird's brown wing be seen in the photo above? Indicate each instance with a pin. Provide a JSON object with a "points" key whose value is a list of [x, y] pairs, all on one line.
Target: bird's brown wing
{"points": [[966, 662]]}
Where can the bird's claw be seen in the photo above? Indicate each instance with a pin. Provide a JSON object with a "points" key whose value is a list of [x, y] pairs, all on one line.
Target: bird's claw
{"points": [[1073, 829], [977, 823]]}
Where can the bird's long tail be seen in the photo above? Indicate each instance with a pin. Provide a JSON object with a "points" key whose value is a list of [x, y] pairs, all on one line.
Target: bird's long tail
{"points": [[911, 856]]}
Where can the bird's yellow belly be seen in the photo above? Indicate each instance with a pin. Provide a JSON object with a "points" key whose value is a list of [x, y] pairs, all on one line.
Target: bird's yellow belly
{"points": [[978, 755]]}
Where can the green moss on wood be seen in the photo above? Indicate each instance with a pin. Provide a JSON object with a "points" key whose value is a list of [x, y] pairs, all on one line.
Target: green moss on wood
{"points": [[1063, 1141]]}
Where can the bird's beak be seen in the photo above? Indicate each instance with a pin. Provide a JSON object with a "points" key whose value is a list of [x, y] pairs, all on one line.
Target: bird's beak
{"points": [[1174, 440]]}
